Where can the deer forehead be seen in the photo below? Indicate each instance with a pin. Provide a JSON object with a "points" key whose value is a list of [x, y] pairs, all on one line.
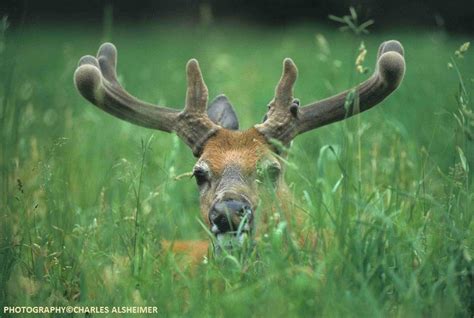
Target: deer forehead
{"points": [[228, 148]]}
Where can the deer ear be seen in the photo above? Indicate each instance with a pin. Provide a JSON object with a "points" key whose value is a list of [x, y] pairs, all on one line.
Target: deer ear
{"points": [[221, 112]]}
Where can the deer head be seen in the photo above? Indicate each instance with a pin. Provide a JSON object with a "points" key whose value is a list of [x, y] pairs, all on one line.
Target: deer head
{"points": [[231, 163]]}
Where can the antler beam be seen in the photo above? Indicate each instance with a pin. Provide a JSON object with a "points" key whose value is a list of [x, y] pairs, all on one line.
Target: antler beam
{"points": [[96, 80], [285, 120]]}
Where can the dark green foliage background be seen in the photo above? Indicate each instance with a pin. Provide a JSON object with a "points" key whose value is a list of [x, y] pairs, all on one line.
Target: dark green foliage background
{"points": [[400, 218]]}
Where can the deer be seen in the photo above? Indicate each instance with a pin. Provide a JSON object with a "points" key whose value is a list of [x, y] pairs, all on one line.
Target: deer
{"points": [[230, 162]]}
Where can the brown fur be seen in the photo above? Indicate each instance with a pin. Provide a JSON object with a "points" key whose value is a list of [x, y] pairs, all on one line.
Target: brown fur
{"points": [[193, 251], [243, 149], [227, 147], [231, 157]]}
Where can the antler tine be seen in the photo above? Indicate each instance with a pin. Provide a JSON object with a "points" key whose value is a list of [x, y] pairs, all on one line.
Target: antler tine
{"points": [[196, 94], [96, 80], [194, 126], [280, 118], [284, 89], [285, 119], [107, 57], [389, 72]]}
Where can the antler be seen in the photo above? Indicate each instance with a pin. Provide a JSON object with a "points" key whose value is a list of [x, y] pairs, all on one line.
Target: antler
{"points": [[286, 120], [96, 80]]}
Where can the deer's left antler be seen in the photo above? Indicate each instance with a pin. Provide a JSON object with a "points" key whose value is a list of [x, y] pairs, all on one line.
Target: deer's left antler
{"points": [[285, 120], [96, 79]]}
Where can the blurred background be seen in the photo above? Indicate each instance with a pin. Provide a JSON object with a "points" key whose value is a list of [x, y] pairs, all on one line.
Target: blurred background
{"points": [[85, 198], [455, 15]]}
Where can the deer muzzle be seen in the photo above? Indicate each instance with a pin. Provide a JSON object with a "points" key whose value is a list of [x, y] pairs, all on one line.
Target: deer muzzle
{"points": [[231, 221]]}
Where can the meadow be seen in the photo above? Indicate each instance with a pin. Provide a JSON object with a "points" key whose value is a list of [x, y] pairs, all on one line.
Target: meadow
{"points": [[87, 198]]}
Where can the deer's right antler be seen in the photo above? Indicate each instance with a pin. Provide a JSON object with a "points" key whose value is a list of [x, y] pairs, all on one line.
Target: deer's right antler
{"points": [[96, 80], [285, 119]]}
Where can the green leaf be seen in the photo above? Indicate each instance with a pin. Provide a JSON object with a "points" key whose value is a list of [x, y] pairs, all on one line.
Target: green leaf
{"points": [[337, 19], [464, 162], [353, 13]]}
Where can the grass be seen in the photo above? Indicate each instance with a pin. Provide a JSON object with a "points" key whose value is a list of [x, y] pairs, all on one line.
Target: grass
{"points": [[86, 198]]}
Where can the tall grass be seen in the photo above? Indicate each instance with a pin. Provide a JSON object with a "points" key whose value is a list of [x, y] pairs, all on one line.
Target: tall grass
{"points": [[86, 198]]}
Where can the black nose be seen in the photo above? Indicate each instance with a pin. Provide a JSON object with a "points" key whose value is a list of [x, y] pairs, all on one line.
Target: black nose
{"points": [[227, 215]]}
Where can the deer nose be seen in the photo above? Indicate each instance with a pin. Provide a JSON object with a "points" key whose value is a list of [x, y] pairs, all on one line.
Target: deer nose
{"points": [[227, 215]]}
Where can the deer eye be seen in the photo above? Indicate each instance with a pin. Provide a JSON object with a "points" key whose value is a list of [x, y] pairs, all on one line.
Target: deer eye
{"points": [[201, 175], [273, 172], [269, 172]]}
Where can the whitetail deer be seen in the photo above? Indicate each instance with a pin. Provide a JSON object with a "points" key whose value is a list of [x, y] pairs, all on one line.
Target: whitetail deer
{"points": [[230, 161]]}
